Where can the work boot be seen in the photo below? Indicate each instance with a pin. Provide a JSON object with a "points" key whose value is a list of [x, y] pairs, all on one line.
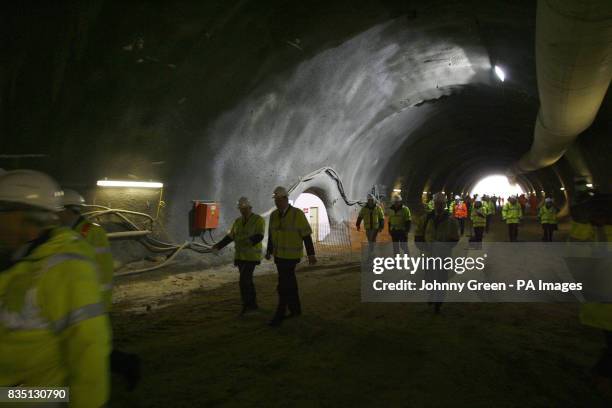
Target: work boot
{"points": [[247, 309], [275, 322], [132, 372]]}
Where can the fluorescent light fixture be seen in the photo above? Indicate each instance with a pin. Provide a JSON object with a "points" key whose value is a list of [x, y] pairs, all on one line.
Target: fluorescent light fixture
{"points": [[397, 190], [589, 185], [500, 73], [118, 183]]}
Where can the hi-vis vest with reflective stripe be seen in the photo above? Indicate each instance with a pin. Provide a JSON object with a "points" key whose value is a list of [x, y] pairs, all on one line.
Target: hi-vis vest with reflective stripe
{"points": [[96, 237], [53, 327], [399, 218], [287, 233], [548, 215], [512, 213], [240, 233], [458, 210], [478, 217], [371, 217]]}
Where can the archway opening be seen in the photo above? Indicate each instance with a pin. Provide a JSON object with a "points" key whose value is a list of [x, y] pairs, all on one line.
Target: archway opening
{"points": [[497, 185], [316, 214]]}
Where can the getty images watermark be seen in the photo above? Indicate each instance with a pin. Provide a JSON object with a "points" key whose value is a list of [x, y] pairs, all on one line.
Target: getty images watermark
{"points": [[496, 272]]}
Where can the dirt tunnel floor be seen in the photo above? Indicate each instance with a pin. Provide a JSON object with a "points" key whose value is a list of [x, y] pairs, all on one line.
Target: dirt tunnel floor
{"points": [[196, 351]]}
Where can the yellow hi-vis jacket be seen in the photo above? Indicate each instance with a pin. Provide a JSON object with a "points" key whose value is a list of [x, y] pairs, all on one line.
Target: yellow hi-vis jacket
{"points": [[547, 215], [489, 207], [372, 218], [399, 219], [287, 233], [512, 213], [478, 217], [95, 235], [597, 315], [446, 231], [241, 232], [54, 331]]}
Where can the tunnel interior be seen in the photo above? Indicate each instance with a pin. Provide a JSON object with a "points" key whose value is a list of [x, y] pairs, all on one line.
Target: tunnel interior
{"points": [[230, 98], [203, 103]]}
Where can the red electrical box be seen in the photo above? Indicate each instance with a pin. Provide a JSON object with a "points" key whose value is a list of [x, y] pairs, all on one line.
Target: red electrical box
{"points": [[205, 215]]}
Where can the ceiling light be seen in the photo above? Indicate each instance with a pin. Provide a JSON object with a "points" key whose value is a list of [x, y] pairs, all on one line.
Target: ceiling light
{"points": [[118, 183], [500, 73]]}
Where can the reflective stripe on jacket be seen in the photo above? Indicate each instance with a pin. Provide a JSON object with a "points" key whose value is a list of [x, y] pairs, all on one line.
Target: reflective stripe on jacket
{"points": [[548, 215], [478, 217], [54, 331], [287, 233], [512, 213], [459, 210], [372, 217], [241, 232], [399, 219]]}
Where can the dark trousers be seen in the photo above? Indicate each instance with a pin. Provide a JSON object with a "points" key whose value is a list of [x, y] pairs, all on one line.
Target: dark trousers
{"points": [[126, 364], [477, 238], [288, 295], [436, 297], [488, 222], [548, 232], [371, 235], [461, 225], [247, 287], [400, 241], [478, 231], [604, 365], [513, 232]]}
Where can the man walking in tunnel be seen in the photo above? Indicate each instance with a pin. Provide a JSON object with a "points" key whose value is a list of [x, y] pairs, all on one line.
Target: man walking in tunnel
{"points": [[373, 221], [54, 330], [247, 232], [548, 218], [489, 210], [478, 219], [512, 213], [435, 228], [288, 233], [126, 364], [460, 212], [399, 224]]}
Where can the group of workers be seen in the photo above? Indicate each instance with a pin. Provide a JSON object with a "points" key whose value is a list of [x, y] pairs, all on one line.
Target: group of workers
{"points": [[55, 293], [56, 272], [288, 234], [479, 211]]}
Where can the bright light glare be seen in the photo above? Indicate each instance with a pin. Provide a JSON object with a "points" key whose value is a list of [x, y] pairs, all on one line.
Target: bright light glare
{"points": [[589, 185], [496, 185], [397, 190], [117, 183], [500, 73]]}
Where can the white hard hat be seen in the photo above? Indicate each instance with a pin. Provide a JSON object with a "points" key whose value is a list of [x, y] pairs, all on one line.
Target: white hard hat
{"points": [[548, 200], [397, 198], [457, 197], [71, 197], [30, 188], [243, 202], [371, 196], [280, 192]]}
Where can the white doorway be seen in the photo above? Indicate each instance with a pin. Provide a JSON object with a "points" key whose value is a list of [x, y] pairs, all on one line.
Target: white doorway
{"points": [[316, 214]]}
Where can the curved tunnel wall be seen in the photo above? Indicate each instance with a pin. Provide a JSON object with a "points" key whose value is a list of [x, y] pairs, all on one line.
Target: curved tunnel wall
{"points": [[219, 100]]}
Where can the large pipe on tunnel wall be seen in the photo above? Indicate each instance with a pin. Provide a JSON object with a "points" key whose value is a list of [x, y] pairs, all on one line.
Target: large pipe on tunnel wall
{"points": [[574, 67]]}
